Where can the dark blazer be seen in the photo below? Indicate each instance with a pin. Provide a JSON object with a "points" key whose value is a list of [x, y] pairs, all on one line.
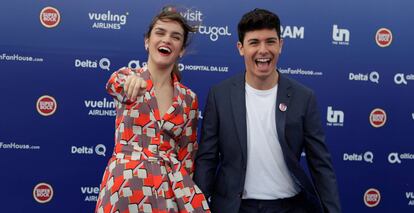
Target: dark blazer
{"points": [[222, 155]]}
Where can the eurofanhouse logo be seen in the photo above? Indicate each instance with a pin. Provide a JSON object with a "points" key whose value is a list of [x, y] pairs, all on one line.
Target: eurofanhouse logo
{"points": [[383, 37], [43, 193], [395, 157], [101, 107], [299, 71], [334, 117], [340, 36], [377, 117], [108, 20], [12, 145], [372, 77], [293, 32], [367, 157], [91, 193], [49, 17], [18, 57], [99, 149], [372, 197], [46, 105], [103, 63], [401, 78]]}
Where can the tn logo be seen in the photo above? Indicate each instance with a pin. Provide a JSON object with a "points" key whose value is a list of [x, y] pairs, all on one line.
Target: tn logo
{"points": [[334, 116], [340, 34]]}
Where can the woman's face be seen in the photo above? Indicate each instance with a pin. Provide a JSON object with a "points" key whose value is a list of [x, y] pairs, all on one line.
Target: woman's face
{"points": [[165, 43]]}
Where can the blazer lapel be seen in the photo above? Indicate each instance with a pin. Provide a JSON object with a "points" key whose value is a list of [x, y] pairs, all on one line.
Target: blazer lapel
{"points": [[238, 103], [284, 94], [282, 106]]}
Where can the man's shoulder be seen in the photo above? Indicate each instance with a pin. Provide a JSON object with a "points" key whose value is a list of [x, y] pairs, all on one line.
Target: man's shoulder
{"points": [[226, 83], [296, 85]]}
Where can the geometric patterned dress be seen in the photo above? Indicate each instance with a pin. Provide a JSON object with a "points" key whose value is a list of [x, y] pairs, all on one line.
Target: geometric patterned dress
{"points": [[152, 164]]}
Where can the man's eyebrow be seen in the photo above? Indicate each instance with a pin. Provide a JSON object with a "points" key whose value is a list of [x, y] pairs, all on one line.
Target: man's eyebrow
{"points": [[159, 28], [267, 39], [253, 39], [273, 38]]}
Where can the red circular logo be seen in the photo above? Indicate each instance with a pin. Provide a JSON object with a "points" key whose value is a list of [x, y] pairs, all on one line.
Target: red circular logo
{"points": [[50, 17], [46, 105], [372, 197], [43, 192], [378, 117], [383, 37]]}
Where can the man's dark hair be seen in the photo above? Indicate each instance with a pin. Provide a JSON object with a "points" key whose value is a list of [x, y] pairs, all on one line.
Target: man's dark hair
{"points": [[258, 19]]}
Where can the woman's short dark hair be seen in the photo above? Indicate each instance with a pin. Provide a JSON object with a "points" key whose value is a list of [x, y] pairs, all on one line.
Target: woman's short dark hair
{"points": [[170, 14]]}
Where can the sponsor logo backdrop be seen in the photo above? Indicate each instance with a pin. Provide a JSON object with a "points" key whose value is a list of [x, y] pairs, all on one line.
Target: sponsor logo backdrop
{"points": [[57, 123]]}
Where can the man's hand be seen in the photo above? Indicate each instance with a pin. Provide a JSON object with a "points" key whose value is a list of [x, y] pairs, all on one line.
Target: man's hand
{"points": [[134, 87]]}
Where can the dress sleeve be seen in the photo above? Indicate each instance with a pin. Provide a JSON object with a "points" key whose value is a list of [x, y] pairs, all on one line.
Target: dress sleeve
{"points": [[115, 84], [188, 139]]}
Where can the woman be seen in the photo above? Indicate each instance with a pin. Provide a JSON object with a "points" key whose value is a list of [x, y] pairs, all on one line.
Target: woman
{"points": [[156, 130]]}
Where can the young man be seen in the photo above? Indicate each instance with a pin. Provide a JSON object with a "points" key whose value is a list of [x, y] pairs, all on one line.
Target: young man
{"points": [[254, 130]]}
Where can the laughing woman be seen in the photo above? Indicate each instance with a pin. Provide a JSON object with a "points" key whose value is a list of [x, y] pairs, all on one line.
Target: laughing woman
{"points": [[156, 130]]}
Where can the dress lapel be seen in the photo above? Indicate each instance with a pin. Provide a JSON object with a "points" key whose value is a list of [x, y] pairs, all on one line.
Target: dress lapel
{"points": [[150, 99], [177, 103]]}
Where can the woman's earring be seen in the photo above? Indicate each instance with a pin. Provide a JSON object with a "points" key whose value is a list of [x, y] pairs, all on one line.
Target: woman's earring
{"points": [[146, 47]]}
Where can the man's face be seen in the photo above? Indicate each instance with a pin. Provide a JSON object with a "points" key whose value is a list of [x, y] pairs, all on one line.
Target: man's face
{"points": [[260, 49]]}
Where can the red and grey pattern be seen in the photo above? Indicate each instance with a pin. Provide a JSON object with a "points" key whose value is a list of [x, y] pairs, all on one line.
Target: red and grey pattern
{"points": [[152, 163]]}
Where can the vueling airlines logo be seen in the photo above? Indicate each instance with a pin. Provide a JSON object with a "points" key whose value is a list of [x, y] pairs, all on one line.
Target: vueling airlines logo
{"points": [[100, 107], [108, 20]]}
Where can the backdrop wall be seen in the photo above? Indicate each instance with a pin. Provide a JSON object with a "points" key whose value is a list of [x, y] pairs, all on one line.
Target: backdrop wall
{"points": [[57, 122]]}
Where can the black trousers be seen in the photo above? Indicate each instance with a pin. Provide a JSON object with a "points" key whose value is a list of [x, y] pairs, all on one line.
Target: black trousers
{"points": [[295, 204]]}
